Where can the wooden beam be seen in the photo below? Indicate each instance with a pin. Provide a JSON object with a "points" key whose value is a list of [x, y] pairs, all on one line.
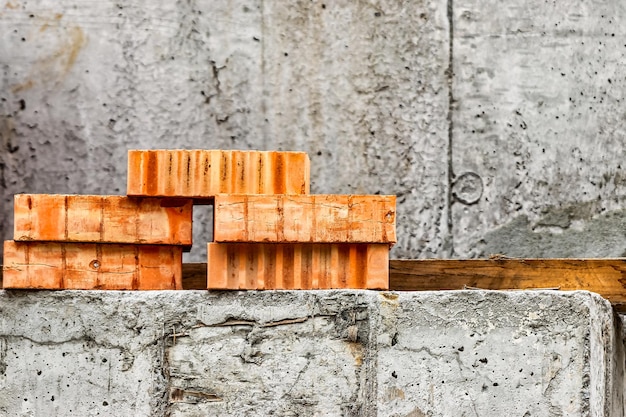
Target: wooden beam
{"points": [[606, 277], [194, 276], [102, 219], [305, 218], [91, 266], [201, 174]]}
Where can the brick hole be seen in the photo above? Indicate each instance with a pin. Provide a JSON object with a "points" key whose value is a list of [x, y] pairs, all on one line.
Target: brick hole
{"points": [[202, 233]]}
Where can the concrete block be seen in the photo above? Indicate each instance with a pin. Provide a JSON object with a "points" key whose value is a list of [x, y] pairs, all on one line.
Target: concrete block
{"points": [[306, 353], [499, 353]]}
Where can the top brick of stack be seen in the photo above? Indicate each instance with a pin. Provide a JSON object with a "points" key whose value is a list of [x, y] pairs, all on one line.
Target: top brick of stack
{"points": [[202, 174]]}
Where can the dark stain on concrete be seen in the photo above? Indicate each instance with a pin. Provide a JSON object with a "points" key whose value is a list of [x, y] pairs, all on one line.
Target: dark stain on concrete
{"points": [[553, 235]]}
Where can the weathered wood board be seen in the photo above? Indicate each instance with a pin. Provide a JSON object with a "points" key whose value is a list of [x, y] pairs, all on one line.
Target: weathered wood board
{"points": [[102, 219], [202, 174], [236, 266], [606, 277], [91, 266], [305, 218]]}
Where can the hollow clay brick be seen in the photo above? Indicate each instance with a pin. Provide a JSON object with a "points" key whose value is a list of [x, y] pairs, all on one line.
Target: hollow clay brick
{"points": [[305, 218], [201, 174], [91, 266], [102, 219], [235, 266]]}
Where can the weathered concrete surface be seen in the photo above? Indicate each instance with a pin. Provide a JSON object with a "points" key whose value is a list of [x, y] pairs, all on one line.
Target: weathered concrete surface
{"points": [[539, 91], [360, 85], [531, 130], [330, 353]]}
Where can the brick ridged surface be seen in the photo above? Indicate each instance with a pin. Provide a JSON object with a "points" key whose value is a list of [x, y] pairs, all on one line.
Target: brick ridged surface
{"points": [[205, 173], [39, 265], [305, 218], [102, 219], [297, 266]]}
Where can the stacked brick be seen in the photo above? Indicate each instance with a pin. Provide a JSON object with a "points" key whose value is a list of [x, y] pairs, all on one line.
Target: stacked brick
{"points": [[301, 241], [97, 242], [269, 232]]}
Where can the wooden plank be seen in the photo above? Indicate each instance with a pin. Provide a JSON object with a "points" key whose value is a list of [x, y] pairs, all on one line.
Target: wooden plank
{"points": [[235, 266], [201, 174], [602, 276], [305, 218], [194, 276], [91, 266], [606, 277], [102, 219]]}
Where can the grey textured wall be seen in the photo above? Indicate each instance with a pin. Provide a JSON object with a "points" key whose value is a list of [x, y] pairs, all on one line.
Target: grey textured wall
{"points": [[499, 125], [310, 353]]}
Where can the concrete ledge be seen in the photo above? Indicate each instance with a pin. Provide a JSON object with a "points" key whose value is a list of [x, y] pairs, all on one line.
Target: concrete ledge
{"points": [[304, 353]]}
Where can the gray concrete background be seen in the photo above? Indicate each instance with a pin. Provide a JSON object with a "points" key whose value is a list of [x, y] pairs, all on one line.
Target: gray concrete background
{"points": [[499, 125], [309, 353]]}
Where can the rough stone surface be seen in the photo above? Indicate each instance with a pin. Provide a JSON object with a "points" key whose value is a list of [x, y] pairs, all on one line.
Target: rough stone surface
{"points": [[306, 353], [345, 81], [486, 119], [539, 91]]}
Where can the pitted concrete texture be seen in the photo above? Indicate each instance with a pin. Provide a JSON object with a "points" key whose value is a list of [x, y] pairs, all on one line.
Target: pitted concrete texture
{"points": [[539, 90], [309, 353], [360, 86], [499, 125]]}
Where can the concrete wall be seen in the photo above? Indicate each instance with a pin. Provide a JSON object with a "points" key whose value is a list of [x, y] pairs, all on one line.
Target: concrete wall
{"points": [[500, 126], [345, 81], [310, 353]]}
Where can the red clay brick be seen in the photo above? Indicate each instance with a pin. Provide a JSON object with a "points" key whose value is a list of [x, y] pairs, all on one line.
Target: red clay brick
{"points": [[202, 174], [91, 266], [305, 218], [235, 266], [102, 219]]}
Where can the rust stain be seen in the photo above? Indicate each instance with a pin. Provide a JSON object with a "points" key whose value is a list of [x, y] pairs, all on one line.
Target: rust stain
{"points": [[55, 67], [416, 413], [356, 349], [77, 40], [12, 6], [23, 86], [55, 18], [6, 129], [394, 393], [390, 295]]}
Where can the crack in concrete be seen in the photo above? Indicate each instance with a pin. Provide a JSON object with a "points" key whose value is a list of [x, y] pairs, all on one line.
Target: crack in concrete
{"points": [[449, 239]]}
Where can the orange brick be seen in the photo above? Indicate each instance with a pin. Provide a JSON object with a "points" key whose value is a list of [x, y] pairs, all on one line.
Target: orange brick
{"points": [[305, 218], [252, 266], [91, 266], [102, 219], [202, 174]]}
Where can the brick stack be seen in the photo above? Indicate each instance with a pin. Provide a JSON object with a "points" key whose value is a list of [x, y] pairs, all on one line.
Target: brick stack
{"points": [[97, 242], [269, 232]]}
